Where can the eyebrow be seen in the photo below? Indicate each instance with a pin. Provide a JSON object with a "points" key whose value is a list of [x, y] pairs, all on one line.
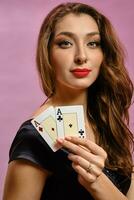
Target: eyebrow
{"points": [[72, 34]]}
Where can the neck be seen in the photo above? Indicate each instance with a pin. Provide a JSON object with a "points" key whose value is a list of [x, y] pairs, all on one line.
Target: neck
{"points": [[70, 97]]}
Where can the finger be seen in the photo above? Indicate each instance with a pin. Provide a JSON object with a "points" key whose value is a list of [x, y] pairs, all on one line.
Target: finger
{"points": [[89, 167], [86, 176], [75, 149], [93, 147], [78, 150], [93, 169]]}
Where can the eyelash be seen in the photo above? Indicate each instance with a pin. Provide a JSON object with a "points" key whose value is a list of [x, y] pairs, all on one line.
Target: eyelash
{"points": [[66, 44], [96, 43]]}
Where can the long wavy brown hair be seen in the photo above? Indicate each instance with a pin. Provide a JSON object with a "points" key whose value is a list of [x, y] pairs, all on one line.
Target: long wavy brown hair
{"points": [[111, 93]]}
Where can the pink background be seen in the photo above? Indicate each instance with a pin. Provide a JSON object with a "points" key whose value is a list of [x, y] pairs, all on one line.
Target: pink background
{"points": [[19, 86]]}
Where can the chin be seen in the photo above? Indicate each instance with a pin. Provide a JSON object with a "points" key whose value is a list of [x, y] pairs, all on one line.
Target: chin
{"points": [[80, 87]]}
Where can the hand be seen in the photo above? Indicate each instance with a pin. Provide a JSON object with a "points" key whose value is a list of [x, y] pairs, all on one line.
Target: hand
{"points": [[88, 158]]}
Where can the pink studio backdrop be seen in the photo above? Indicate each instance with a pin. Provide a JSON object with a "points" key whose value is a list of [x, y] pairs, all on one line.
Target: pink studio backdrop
{"points": [[19, 86]]}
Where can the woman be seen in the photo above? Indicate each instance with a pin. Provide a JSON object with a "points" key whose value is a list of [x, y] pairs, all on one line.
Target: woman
{"points": [[75, 37]]}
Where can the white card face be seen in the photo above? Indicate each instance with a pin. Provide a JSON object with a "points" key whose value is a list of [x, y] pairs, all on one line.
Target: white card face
{"points": [[70, 121], [46, 125]]}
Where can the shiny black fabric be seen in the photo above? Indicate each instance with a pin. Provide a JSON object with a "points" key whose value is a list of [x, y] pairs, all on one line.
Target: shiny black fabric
{"points": [[63, 184]]}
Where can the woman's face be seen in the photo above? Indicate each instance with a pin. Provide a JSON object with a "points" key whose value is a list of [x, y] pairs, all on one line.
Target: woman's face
{"points": [[75, 51]]}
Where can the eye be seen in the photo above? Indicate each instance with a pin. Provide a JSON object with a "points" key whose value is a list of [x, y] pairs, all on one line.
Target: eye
{"points": [[94, 44], [64, 44]]}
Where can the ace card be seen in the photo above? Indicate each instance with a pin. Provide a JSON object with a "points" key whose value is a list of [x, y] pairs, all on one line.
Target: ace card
{"points": [[70, 121], [46, 125]]}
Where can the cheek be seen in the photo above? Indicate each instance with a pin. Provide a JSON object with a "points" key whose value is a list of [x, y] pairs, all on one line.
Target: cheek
{"points": [[61, 61], [100, 57], [58, 63], [57, 58], [97, 65], [55, 61]]}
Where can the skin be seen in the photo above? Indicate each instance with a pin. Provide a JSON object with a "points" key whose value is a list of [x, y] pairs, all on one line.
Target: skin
{"points": [[78, 51], [94, 181], [72, 40]]}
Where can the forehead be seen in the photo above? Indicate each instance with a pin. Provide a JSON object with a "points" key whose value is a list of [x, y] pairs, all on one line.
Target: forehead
{"points": [[74, 23]]}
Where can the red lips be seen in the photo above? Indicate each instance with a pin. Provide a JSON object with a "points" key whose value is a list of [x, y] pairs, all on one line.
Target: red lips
{"points": [[80, 73]]}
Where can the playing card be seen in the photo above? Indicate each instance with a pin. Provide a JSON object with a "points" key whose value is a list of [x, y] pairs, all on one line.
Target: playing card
{"points": [[70, 121], [46, 125]]}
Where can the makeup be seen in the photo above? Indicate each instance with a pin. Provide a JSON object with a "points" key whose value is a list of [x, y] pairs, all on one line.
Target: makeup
{"points": [[81, 72]]}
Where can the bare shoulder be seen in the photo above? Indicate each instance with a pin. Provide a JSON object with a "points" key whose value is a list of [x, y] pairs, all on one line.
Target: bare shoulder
{"points": [[130, 194], [24, 180]]}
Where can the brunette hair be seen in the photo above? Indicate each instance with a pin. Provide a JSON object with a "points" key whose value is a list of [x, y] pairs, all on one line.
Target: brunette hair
{"points": [[111, 93]]}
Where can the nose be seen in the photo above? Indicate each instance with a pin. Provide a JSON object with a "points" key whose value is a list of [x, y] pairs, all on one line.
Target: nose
{"points": [[80, 57], [80, 60]]}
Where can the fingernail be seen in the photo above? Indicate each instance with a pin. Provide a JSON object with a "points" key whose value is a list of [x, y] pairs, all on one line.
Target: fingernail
{"points": [[70, 155], [68, 137], [60, 140]]}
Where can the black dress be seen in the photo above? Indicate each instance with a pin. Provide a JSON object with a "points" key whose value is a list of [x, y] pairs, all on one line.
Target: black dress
{"points": [[63, 184]]}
